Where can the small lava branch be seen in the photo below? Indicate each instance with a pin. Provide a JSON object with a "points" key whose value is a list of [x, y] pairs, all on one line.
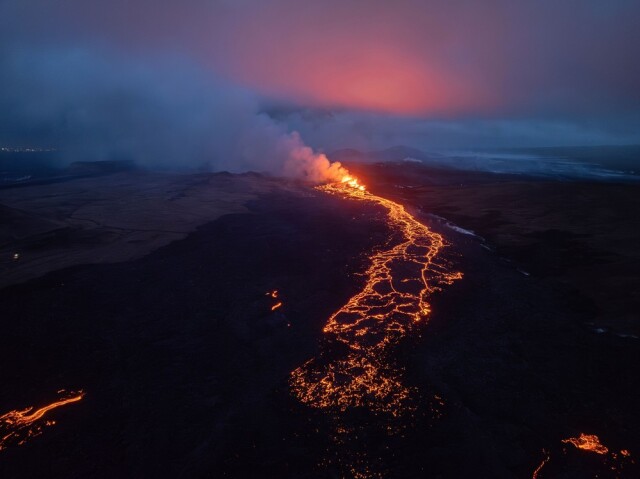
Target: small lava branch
{"points": [[20, 425], [546, 459], [275, 294]]}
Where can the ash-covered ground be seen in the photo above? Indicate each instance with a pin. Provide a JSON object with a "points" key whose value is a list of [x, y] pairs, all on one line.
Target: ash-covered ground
{"points": [[149, 293]]}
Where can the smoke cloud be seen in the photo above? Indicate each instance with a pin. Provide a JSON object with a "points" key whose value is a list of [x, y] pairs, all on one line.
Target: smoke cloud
{"points": [[169, 115], [303, 162]]}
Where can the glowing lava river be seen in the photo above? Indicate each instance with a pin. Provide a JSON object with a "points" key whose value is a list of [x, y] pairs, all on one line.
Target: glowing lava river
{"points": [[355, 371]]}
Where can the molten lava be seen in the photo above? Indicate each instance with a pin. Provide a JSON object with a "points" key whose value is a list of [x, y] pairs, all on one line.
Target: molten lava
{"points": [[355, 368], [394, 299], [19, 425], [274, 295], [587, 442], [542, 464], [614, 463]]}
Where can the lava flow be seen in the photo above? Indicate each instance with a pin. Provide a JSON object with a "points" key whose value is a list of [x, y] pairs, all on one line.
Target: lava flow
{"points": [[546, 459], [19, 425], [587, 442], [274, 294], [394, 299], [612, 464]]}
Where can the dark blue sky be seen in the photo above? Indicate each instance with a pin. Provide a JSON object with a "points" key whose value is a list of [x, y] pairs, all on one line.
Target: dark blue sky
{"points": [[182, 81]]}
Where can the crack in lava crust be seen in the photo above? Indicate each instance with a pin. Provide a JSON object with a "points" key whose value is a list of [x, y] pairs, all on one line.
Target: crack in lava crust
{"points": [[394, 299]]}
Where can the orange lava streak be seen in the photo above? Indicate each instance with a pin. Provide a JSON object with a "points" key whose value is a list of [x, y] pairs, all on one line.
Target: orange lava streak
{"points": [[399, 282], [275, 306], [587, 442], [615, 462], [542, 464], [18, 425]]}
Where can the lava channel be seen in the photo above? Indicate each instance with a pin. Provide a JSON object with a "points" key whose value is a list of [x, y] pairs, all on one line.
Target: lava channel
{"points": [[395, 298]]}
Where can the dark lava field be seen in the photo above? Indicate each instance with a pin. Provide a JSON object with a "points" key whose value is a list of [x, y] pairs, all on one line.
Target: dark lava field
{"points": [[185, 366]]}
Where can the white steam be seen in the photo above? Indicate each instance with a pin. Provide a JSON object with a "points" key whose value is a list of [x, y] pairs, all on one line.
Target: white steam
{"points": [[302, 162], [167, 115]]}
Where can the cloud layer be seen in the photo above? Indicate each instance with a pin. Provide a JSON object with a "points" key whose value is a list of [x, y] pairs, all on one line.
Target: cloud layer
{"points": [[408, 56], [218, 82]]}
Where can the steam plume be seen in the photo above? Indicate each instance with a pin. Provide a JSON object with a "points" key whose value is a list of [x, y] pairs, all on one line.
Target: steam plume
{"points": [[303, 162], [168, 115]]}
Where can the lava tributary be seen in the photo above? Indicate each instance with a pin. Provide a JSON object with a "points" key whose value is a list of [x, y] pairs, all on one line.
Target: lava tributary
{"points": [[19, 425]]}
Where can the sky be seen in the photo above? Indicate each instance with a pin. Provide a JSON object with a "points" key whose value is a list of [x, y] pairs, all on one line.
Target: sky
{"points": [[218, 84]]}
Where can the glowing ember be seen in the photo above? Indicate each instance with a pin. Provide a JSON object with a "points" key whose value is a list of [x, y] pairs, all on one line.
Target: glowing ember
{"points": [[587, 442], [20, 425], [394, 298], [539, 468], [275, 295]]}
